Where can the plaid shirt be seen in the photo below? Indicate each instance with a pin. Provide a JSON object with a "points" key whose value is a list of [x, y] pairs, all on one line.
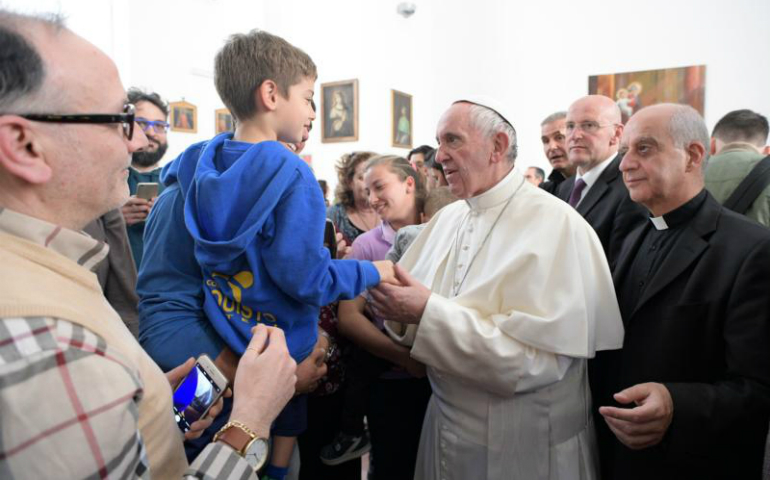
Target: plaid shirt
{"points": [[68, 402]]}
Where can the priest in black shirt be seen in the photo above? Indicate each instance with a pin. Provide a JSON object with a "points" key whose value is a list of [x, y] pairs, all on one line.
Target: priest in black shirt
{"points": [[692, 382]]}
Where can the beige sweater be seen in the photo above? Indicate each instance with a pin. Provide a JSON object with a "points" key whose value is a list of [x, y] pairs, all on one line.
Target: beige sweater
{"points": [[48, 284]]}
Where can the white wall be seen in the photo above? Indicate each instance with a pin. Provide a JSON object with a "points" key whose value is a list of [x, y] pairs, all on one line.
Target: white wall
{"points": [[535, 56]]}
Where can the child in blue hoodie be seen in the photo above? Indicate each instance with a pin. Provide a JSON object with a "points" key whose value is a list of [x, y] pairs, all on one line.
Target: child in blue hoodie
{"points": [[256, 214]]}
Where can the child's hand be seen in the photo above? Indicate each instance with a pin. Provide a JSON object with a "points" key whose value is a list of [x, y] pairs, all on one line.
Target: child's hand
{"points": [[311, 370], [386, 271]]}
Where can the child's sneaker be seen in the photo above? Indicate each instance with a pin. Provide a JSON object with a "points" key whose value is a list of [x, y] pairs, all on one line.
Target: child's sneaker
{"points": [[344, 448]]}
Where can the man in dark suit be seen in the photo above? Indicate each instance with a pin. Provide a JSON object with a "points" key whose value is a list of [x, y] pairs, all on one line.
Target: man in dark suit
{"points": [[554, 138], [692, 381], [593, 131]]}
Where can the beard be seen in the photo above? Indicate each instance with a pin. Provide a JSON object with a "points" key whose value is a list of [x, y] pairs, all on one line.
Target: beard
{"points": [[146, 159]]}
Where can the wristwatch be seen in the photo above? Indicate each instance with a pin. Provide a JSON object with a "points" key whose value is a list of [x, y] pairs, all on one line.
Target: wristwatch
{"points": [[245, 442]]}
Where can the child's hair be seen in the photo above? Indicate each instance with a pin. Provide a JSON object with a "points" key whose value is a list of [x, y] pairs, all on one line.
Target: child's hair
{"points": [[248, 59], [403, 170], [437, 199]]}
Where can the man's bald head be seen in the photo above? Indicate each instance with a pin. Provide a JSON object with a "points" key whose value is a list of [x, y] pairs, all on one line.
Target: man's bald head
{"points": [[665, 147], [61, 172], [593, 131], [23, 71]]}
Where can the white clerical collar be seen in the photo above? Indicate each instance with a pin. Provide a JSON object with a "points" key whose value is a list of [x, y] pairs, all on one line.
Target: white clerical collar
{"points": [[659, 223], [497, 194], [591, 176]]}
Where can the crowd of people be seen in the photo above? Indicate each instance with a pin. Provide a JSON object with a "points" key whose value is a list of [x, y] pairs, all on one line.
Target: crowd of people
{"points": [[609, 320]]}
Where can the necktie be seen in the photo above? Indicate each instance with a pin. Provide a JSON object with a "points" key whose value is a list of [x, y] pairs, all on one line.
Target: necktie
{"points": [[574, 197]]}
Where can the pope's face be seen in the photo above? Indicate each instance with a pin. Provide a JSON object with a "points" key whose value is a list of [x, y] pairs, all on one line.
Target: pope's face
{"points": [[464, 152]]}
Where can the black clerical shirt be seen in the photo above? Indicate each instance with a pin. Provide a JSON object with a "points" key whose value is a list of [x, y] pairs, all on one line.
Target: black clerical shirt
{"points": [[659, 238], [554, 179]]}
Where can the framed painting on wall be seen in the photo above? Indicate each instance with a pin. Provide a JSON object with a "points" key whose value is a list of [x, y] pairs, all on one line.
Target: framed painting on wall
{"points": [[401, 119], [223, 121], [184, 117], [634, 90], [339, 111]]}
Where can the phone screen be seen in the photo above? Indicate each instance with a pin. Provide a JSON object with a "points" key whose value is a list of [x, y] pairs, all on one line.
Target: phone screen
{"points": [[193, 397]]}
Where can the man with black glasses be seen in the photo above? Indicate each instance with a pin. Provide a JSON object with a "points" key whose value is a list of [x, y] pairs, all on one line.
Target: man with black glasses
{"points": [[152, 118], [79, 397]]}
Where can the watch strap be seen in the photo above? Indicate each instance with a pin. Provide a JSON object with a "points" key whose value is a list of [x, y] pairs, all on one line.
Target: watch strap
{"points": [[237, 435]]}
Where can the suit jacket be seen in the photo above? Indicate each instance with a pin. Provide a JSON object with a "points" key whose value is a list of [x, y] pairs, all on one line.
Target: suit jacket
{"points": [[608, 208], [702, 328]]}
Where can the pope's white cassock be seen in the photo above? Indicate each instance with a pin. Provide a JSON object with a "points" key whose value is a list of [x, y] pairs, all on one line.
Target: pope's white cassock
{"points": [[522, 296]]}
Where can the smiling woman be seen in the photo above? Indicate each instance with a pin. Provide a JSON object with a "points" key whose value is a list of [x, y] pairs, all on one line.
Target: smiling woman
{"points": [[381, 373]]}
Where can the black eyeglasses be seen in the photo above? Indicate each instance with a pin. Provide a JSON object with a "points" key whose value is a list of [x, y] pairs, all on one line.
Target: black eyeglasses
{"points": [[126, 118]]}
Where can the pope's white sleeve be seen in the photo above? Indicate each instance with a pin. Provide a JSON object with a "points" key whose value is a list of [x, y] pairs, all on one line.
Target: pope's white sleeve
{"points": [[460, 342]]}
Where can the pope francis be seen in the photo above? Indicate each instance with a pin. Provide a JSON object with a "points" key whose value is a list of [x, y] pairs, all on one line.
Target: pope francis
{"points": [[503, 296]]}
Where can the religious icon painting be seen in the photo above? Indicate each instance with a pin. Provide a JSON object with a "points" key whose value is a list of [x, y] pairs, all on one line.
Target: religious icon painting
{"points": [[634, 90], [184, 117], [339, 111], [223, 121], [401, 119]]}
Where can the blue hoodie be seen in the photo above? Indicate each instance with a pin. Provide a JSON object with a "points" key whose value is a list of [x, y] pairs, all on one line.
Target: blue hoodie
{"points": [[256, 215]]}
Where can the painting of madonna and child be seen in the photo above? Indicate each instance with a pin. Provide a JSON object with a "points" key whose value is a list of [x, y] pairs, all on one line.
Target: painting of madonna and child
{"points": [[339, 111], [634, 90]]}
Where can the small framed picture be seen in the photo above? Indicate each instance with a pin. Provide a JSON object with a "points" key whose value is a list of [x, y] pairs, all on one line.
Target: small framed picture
{"points": [[184, 117], [401, 119], [339, 107], [223, 121]]}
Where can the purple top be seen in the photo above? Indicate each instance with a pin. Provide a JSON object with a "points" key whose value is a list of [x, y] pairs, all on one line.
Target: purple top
{"points": [[374, 245]]}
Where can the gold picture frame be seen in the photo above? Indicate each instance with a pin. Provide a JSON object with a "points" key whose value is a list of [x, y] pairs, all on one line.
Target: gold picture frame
{"points": [[223, 121], [401, 119], [184, 117], [339, 111]]}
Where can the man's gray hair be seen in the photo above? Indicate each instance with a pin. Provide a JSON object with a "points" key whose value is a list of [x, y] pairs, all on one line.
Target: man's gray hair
{"points": [[22, 69], [491, 123], [686, 126], [553, 117]]}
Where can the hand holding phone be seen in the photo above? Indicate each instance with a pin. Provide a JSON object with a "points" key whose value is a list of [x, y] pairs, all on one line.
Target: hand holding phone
{"points": [[147, 190], [198, 392]]}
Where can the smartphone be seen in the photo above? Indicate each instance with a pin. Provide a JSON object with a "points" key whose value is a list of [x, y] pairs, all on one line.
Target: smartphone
{"points": [[330, 238], [198, 392], [147, 190]]}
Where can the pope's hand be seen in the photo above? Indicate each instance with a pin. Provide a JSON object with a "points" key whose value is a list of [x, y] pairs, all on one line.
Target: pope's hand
{"points": [[646, 424], [403, 303]]}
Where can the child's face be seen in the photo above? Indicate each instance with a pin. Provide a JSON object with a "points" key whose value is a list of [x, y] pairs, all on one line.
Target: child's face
{"points": [[295, 113]]}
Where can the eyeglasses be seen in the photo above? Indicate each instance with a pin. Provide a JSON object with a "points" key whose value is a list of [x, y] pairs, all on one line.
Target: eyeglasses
{"points": [[589, 126], [157, 126], [126, 118]]}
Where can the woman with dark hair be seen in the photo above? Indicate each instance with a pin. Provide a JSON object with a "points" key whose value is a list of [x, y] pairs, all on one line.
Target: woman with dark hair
{"points": [[351, 213]]}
